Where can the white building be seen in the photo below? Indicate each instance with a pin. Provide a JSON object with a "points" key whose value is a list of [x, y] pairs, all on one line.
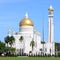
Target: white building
{"points": [[27, 33]]}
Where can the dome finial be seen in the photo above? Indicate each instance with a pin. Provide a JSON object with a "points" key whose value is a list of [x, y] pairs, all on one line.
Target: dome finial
{"points": [[51, 6], [26, 15]]}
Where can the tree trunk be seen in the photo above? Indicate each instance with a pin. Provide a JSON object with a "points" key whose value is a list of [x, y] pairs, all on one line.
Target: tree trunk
{"points": [[7, 44], [32, 48]]}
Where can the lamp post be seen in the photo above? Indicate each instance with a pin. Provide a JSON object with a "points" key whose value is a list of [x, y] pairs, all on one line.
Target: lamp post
{"points": [[43, 36]]}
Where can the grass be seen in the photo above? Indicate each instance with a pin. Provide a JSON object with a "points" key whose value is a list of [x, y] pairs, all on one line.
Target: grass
{"points": [[29, 58]]}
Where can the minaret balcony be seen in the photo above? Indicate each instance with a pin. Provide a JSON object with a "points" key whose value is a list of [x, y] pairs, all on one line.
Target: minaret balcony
{"points": [[50, 15]]}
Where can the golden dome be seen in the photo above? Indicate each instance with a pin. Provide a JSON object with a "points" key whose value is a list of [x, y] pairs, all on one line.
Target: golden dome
{"points": [[26, 21], [51, 8]]}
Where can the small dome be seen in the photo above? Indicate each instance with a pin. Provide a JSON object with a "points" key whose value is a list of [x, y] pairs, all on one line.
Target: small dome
{"points": [[26, 21], [51, 8]]}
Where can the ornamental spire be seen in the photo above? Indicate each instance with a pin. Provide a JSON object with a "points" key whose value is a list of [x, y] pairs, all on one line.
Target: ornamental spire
{"points": [[9, 32], [26, 15], [50, 6]]}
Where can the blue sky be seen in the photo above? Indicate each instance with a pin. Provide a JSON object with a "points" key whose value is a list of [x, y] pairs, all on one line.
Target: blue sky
{"points": [[12, 11]]}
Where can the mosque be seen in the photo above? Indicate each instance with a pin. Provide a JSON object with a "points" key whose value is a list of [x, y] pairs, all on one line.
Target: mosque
{"points": [[28, 40]]}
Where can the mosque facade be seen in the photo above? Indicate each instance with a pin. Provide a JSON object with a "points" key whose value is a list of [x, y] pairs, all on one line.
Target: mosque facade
{"points": [[28, 40]]}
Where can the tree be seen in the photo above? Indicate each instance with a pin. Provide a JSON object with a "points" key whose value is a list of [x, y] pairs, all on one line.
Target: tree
{"points": [[12, 39], [12, 50], [32, 44], [7, 39], [2, 47], [57, 47], [21, 39]]}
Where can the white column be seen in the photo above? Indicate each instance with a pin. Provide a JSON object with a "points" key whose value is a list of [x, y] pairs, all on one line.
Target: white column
{"points": [[51, 26]]}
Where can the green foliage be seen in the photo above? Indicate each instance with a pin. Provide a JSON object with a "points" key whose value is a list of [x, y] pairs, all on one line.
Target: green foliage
{"points": [[57, 46], [12, 50], [9, 40], [12, 39], [2, 47], [21, 38], [32, 44]]}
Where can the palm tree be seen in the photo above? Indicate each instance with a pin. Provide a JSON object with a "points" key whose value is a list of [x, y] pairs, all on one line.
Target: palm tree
{"points": [[12, 39], [21, 39], [7, 39], [32, 44], [12, 50]]}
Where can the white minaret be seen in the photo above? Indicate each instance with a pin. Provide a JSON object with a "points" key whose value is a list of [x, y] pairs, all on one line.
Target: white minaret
{"points": [[51, 25]]}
